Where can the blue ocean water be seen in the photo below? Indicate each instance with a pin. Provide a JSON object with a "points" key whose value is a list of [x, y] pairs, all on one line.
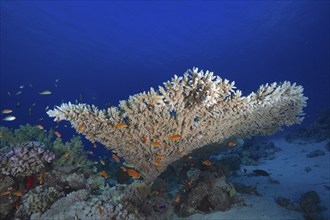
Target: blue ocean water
{"points": [[100, 52], [112, 49]]}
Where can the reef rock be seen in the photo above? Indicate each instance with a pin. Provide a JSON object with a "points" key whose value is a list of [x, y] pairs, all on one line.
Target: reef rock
{"points": [[209, 195]]}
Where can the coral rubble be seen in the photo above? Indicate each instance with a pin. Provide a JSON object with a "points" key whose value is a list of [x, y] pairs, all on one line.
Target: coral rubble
{"points": [[152, 130]]}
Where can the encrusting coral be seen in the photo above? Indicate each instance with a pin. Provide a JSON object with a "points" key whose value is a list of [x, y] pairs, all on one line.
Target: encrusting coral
{"points": [[152, 130]]}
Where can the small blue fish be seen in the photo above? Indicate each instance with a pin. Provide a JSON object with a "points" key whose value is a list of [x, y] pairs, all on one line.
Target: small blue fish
{"points": [[162, 207]]}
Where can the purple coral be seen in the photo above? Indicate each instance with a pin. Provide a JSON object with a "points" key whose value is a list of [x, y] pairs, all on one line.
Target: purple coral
{"points": [[25, 161]]}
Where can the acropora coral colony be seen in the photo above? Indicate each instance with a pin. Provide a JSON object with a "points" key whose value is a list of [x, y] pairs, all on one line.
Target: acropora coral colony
{"points": [[151, 130]]}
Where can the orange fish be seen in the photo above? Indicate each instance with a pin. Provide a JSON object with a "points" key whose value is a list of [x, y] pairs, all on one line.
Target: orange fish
{"points": [[94, 145], [57, 119], [134, 174], [128, 165], [155, 193], [182, 153], [17, 205], [144, 166], [177, 198], [121, 125], [58, 134], [189, 181], [100, 210], [123, 169], [116, 158], [207, 162], [5, 193], [40, 127], [144, 139], [159, 156], [157, 163], [104, 174], [18, 193], [102, 162], [232, 144], [0, 134], [81, 128], [6, 111], [175, 137], [167, 147], [42, 177], [155, 143], [192, 163]]}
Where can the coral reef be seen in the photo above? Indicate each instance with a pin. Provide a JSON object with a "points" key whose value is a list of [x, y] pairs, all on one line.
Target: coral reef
{"points": [[257, 152], [7, 202], [328, 146], [25, 160], [82, 205], [59, 208], [38, 200], [246, 189], [315, 153], [309, 203], [231, 162], [71, 156], [287, 203], [152, 130], [208, 195], [37, 178], [316, 132], [25, 134], [193, 174], [66, 192], [159, 187], [75, 181]]}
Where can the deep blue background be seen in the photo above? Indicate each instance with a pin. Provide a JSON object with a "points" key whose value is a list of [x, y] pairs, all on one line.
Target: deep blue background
{"points": [[110, 50]]}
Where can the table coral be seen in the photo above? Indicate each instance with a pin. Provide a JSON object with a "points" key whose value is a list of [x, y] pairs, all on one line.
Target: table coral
{"points": [[152, 130]]}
